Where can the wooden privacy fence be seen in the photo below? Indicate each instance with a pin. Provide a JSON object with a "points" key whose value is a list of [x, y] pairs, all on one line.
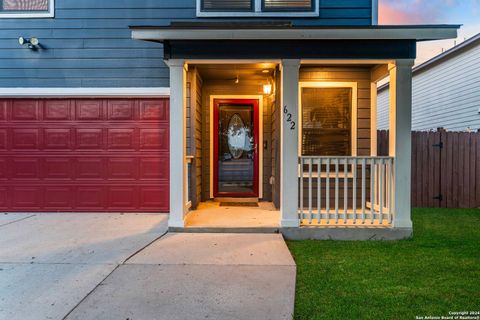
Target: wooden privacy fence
{"points": [[445, 168]]}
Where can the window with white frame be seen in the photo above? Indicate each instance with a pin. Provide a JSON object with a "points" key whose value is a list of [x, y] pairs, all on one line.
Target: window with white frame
{"points": [[26, 8], [249, 8], [328, 119]]}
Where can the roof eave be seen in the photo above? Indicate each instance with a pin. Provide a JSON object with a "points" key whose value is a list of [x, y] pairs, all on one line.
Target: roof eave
{"points": [[418, 33]]}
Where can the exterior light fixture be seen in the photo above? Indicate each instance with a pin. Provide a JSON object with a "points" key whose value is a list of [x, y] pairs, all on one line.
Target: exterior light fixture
{"points": [[267, 88], [32, 42]]}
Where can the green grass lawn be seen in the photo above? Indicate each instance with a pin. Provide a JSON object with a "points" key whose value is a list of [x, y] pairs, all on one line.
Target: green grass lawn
{"points": [[435, 272]]}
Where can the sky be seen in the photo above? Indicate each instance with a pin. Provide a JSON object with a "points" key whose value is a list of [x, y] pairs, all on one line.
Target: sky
{"points": [[465, 12]]}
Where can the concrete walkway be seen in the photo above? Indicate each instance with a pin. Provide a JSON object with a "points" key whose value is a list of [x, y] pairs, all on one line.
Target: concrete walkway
{"points": [[109, 266], [50, 262], [199, 276]]}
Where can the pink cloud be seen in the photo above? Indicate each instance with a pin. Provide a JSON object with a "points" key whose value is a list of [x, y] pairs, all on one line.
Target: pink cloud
{"points": [[413, 11]]}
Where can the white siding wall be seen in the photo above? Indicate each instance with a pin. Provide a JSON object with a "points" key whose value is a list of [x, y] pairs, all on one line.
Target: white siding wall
{"points": [[445, 95]]}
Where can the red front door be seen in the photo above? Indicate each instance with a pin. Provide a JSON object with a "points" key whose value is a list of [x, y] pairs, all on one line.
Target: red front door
{"points": [[235, 148]]}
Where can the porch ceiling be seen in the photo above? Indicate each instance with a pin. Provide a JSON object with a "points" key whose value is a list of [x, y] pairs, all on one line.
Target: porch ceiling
{"points": [[230, 72]]}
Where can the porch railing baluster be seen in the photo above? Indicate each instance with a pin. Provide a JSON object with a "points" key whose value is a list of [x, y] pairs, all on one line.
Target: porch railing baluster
{"points": [[381, 189], [301, 188], [319, 190], [310, 163], [364, 188], [372, 189], [327, 192], [354, 194], [336, 190], [345, 190]]}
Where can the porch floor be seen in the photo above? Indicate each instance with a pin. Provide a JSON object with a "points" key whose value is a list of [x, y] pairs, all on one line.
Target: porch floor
{"points": [[211, 215]]}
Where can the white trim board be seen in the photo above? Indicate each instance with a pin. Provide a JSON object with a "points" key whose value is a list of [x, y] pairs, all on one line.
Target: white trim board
{"points": [[30, 14], [260, 143], [83, 92], [375, 33], [330, 84]]}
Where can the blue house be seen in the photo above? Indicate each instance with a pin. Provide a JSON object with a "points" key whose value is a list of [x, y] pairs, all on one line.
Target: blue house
{"points": [[228, 114]]}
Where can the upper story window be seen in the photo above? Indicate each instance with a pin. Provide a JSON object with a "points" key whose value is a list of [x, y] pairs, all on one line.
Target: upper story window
{"points": [[26, 8], [255, 8]]}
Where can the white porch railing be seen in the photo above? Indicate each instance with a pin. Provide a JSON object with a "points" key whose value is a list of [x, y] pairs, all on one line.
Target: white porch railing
{"points": [[346, 190], [187, 189]]}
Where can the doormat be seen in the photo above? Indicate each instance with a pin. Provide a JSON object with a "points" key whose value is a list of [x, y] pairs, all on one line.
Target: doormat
{"points": [[238, 204]]}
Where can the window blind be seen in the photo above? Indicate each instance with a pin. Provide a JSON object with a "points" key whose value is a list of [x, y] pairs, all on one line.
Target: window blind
{"points": [[287, 4], [326, 121], [24, 5], [227, 5]]}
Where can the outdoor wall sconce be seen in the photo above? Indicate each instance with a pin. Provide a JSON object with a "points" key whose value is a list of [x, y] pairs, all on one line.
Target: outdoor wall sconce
{"points": [[267, 88], [32, 43]]}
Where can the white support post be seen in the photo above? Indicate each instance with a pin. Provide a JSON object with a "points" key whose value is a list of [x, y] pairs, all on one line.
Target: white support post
{"points": [[178, 159], [373, 119], [400, 144], [290, 70]]}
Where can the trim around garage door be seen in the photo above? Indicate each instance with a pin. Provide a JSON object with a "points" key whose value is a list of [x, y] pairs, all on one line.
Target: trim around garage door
{"points": [[84, 92]]}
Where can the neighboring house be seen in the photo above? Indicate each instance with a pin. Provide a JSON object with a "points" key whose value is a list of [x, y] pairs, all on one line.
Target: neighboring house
{"points": [[156, 106], [446, 91]]}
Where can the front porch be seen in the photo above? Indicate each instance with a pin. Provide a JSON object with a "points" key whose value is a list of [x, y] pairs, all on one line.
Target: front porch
{"points": [[312, 175]]}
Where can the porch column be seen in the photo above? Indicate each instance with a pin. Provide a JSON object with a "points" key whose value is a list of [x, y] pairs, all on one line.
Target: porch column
{"points": [[400, 144], [178, 126], [289, 143]]}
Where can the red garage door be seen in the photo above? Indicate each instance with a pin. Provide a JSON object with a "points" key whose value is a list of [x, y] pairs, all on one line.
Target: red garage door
{"points": [[84, 155]]}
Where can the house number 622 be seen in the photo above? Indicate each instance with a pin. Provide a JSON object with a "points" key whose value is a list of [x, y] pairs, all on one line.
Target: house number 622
{"points": [[288, 118]]}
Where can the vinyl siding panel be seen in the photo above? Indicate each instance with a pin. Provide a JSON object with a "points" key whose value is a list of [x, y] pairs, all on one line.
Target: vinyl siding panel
{"points": [[88, 43], [446, 95]]}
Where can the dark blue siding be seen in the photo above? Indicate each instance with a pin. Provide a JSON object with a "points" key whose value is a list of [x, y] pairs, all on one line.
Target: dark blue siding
{"points": [[88, 42]]}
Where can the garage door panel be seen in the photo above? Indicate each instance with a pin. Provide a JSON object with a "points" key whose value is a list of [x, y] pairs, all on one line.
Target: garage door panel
{"points": [[57, 169], [154, 168], [25, 168], [3, 169], [154, 139], [27, 198], [154, 197], [89, 110], [90, 197], [89, 139], [122, 168], [26, 110], [122, 139], [55, 110], [90, 168], [3, 139], [4, 196], [121, 109], [3, 109], [26, 139], [57, 139], [156, 110], [84, 155], [123, 197], [59, 198]]}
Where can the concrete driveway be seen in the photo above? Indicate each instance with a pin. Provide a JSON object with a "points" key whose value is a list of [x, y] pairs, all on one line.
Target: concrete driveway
{"points": [[50, 262], [113, 266]]}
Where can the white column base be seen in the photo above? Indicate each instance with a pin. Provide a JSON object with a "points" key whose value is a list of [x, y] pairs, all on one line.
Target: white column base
{"points": [[289, 223], [405, 223], [175, 223]]}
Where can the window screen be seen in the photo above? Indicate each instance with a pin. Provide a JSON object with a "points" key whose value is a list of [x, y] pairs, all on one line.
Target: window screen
{"points": [[24, 5], [287, 4], [326, 121], [227, 5]]}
